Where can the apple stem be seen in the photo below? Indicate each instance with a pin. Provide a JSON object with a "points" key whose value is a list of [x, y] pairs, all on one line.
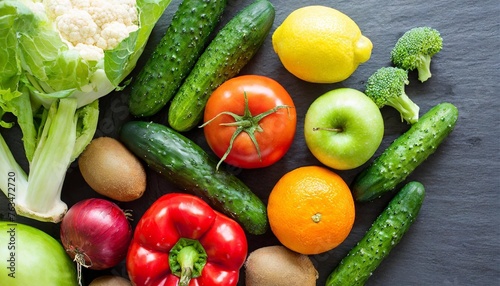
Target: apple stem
{"points": [[328, 129]]}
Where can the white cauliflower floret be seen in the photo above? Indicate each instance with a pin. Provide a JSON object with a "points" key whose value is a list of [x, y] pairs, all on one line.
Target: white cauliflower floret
{"points": [[38, 8], [81, 4], [76, 26], [130, 3], [90, 52], [99, 23], [107, 12], [111, 35], [56, 8], [102, 12]]}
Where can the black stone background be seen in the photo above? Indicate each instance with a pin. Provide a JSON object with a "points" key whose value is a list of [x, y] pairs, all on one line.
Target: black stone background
{"points": [[455, 238]]}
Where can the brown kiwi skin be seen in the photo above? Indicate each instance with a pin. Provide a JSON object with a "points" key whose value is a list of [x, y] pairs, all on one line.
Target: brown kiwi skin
{"points": [[111, 170], [279, 266], [110, 280]]}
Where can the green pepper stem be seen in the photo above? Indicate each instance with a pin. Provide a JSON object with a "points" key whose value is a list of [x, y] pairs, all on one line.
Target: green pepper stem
{"points": [[187, 259]]}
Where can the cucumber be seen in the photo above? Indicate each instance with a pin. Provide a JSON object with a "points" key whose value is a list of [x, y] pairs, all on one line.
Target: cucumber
{"points": [[385, 233], [188, 166], [175, 55], [405, 154], [231, 49]]}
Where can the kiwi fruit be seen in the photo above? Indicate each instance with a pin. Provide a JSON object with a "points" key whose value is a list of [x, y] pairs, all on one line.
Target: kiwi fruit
{"points": [[111, 170], [277, 265]]}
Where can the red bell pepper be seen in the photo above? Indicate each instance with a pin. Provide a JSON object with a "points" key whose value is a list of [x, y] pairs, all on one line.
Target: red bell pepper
{"points": [[181, 240]]}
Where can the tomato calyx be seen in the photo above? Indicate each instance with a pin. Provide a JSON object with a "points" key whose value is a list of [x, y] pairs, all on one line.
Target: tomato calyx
{"points": [[247, 123]]}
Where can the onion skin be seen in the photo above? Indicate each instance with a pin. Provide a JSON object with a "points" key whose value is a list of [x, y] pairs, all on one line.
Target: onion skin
{"points": [[96, 232]]}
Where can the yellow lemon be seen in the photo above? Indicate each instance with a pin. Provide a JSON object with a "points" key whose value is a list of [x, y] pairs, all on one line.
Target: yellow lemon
{"points": [[320, 44]]}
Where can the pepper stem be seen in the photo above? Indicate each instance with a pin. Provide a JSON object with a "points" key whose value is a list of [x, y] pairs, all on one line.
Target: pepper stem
{"points": [[187, 259], [244, 123]]}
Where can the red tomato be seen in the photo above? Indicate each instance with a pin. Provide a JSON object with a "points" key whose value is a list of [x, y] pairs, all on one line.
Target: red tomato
{"points": [[269, 116]]}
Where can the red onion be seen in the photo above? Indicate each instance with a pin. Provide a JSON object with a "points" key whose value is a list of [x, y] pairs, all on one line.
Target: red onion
{"points": [[96, 234]]}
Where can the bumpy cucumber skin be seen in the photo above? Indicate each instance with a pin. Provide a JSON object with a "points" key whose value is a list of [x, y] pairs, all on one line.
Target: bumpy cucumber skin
{"points": [[188, 166], [230, 50], [385, 233], [174, 57], [406, 153]]}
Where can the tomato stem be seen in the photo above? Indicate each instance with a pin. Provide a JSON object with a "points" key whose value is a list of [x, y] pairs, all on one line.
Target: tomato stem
{"points": [[244, 123]]}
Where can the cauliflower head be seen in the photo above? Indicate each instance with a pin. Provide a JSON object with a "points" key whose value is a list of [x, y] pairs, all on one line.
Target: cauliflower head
{"points": [[74, 48]]}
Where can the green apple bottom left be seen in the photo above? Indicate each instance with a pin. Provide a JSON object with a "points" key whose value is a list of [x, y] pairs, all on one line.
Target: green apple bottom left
{"points": [[29, 256]]}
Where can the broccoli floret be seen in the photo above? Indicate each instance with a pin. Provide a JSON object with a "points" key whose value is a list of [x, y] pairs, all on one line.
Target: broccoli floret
{"points": [[386, 86], [415, 49]]}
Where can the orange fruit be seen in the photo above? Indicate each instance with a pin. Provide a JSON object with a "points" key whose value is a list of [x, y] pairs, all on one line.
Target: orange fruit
{"points": [[311, 210]]}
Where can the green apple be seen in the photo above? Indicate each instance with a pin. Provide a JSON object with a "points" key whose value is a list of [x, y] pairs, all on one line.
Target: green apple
{"points": [[343, 128]]}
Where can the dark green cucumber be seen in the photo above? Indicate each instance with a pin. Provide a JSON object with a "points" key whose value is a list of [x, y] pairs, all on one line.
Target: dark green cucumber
{"points": [[406, 153], [188, 166], [385, 233], [231, 49], [175, 55]]}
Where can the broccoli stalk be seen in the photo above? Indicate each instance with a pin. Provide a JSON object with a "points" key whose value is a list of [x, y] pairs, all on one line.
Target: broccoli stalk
{"points": [[415, 49], [424, 67], [386, 86]]}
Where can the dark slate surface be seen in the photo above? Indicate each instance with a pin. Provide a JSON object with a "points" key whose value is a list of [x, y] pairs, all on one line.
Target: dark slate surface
{"points": [[455, 239]]}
